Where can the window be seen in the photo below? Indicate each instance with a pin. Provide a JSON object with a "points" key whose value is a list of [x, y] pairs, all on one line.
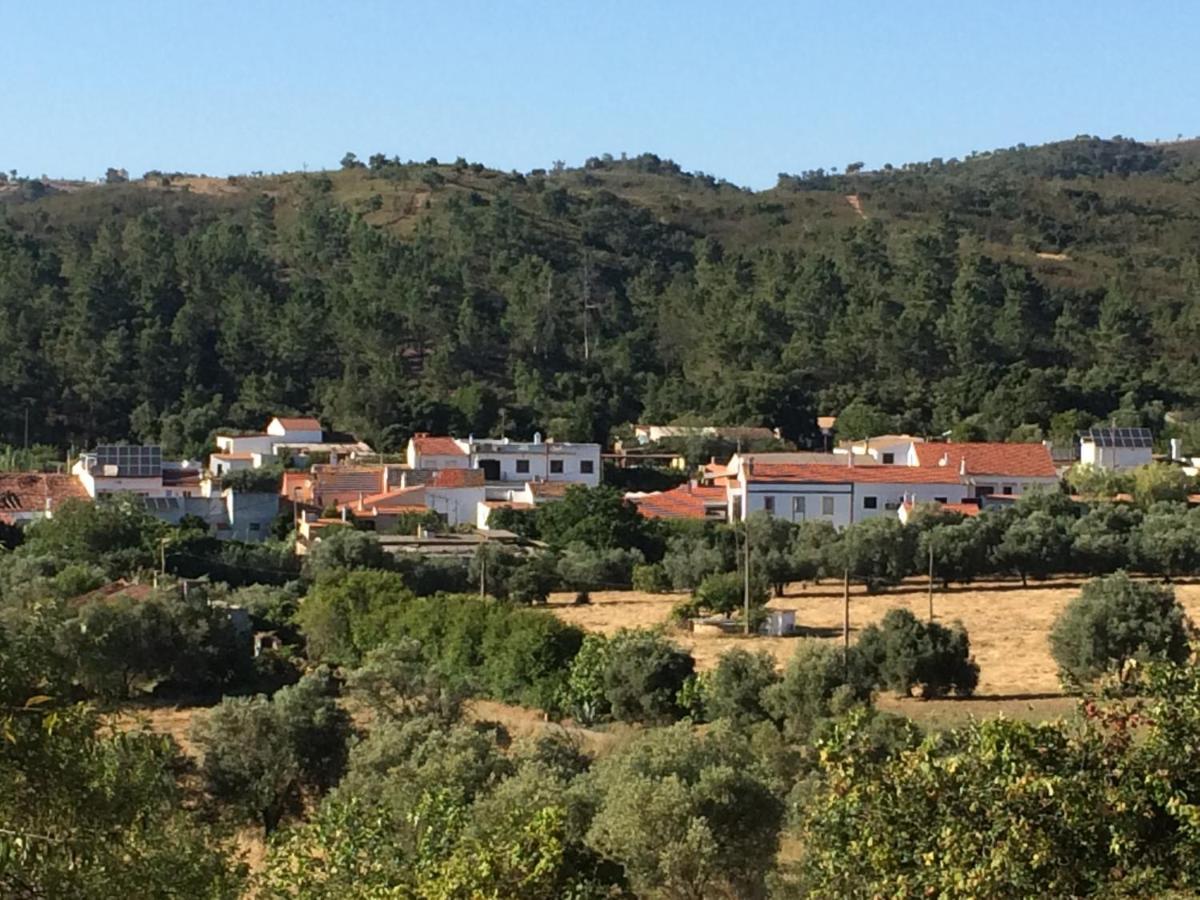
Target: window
{"points": [[870, 503], [827, 506], [255, 526], [797, 508], [587, 466], [556, 466], [1007, 490], [769, 505], [941, 500], [523, 466], [889, 458]]}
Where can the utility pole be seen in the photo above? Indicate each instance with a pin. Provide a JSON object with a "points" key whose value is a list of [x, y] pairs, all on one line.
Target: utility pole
{"points": [[930, 578], [746, 585], [846, 618], [483, 568]]}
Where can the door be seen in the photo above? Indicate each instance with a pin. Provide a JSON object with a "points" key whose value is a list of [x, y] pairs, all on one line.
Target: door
{"points": [[491, 469]]}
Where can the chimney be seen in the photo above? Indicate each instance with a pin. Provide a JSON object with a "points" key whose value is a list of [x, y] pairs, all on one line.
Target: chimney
{"points": [[850, 458], [1176, 450], [360, 499], [344, 516], [945, 460], [691, 485], [403, 479], [962, 466]]}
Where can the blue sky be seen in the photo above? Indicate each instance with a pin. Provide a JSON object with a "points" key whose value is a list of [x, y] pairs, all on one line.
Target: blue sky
{"points": [[740, 90]]}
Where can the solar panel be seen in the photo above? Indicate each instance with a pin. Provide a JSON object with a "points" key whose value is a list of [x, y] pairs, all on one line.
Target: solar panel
{"points": [[124, 461], [1122, 437]]}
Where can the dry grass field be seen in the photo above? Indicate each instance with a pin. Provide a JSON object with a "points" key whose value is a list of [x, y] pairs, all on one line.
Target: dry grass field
{"points": [[1009, 627]]}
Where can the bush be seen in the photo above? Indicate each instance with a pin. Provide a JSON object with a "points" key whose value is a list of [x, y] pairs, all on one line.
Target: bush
{"points": [[1115, 619], [651, 578], [583, 568], [344, 548], [818, 682], [904, 653], [643, 675], [690, 558], [264, 480], [735, 688], [726, 592]]}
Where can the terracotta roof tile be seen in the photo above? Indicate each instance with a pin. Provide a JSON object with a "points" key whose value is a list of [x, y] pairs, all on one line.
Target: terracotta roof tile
{"points": [[300, 423], [847, 474], [548, 488], [683, 502], [452, 478], [27, 492], [433, 445], [1004, 460]]}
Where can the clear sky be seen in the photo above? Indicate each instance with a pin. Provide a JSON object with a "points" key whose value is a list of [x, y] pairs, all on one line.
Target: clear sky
{"points": [[740, 90]]}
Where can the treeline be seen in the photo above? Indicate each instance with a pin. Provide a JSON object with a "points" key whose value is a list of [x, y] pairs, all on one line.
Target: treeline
{"points": [[514, 304]]}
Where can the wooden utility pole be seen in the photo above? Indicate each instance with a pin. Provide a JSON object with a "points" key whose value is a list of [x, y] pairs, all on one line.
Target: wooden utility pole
{"points": [[746, 585], [846, 617], [930, 581]]}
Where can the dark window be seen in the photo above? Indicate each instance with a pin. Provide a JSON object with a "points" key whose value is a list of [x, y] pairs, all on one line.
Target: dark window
{"points": [[889, 458], [769, 505], [255, 526], [522, 466], [556, 466], [870, 502], [491, 469], [939, 499], [1008, 489], [984, 490], [587, 466]]}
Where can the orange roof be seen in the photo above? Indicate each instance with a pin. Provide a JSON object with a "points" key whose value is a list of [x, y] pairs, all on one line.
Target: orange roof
{"points": [[452, 478], [27, 492], [1004, 460], [684, 502], [548, 488], [826, 474], [437, 446], [294, 481], [299, 424], [966, 509]]}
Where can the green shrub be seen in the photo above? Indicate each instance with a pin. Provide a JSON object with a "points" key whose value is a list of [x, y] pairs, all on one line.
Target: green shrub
{"points": [[735, 688], [651, 578], [643, 676], [904, 653], [583, 568], [1114, 619], [726, 592], [819, 681]]}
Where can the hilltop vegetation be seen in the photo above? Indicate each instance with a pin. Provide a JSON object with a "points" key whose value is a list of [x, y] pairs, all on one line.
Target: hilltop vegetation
{"points": [[1017, 293]]}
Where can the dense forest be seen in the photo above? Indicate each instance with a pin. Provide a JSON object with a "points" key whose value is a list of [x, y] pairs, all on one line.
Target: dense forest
{"points": [[1023, 292]]}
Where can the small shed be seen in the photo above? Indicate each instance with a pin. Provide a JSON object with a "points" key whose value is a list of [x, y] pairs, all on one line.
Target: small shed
{"points": [[779, 622]]}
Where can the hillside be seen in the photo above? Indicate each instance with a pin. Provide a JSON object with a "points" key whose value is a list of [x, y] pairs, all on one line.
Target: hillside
{"points": [[1020, 292]]}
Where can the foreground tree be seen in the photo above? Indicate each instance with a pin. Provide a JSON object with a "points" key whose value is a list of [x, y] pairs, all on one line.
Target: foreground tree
{"points": [[1115, 619]]}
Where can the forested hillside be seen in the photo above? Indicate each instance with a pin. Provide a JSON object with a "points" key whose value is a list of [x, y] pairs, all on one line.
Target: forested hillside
{"points": [[1026, 290]]}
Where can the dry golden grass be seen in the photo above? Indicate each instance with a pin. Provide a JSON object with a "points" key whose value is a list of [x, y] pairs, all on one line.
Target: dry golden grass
{"points": [[1009, 626]]}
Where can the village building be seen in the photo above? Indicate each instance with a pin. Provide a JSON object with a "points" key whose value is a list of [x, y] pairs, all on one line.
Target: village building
{"points": [[1116, 449], [31, 496]]}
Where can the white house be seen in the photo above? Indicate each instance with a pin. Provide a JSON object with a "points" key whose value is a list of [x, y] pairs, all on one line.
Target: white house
{"points": [[506, 462], [503, 460], [838, 494], [1116, 448], [305, 430], [283, 435], [437, 452], [886, 449], [993, 468]]}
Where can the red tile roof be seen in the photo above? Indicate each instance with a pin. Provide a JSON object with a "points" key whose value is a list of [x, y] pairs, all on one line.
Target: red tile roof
{"points": [[299, 424], [1004, 460], [548, 488], [684, 502], [453, 478], [846, 474], [437, 446], [27, 492], [966, 509]]}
